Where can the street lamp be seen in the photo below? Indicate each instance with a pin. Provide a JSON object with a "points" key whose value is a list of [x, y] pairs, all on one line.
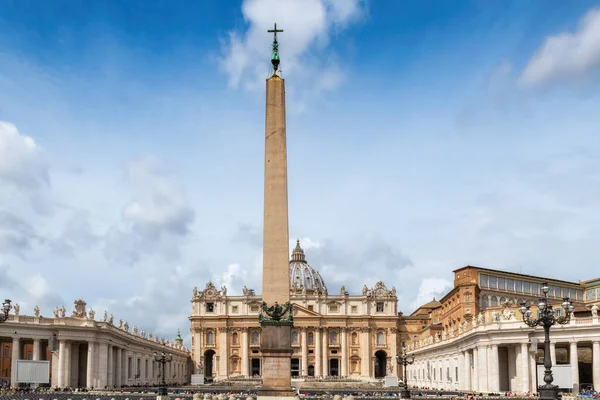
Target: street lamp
{"points": [[404, 359], [546, 319], [5, 309], [163, 359]]}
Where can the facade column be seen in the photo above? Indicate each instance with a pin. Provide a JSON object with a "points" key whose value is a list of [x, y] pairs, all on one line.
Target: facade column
{"points": [[533, 385], [365, 362], [198, 351], [524, 361], [574, 360], [118, 368], [325, 352], [67, 365], [37, 345], [15, 355], [494, 370], [596, 365], [475, 386], [344, 344], [90, 365], [304, 339], [466, 385], [223, 352], [317, 342], [102, 365], [245, 368]]}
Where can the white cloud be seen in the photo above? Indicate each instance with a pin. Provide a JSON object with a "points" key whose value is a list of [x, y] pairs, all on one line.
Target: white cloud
{"points": [[307, 26], [568, 55], [429, 289]]}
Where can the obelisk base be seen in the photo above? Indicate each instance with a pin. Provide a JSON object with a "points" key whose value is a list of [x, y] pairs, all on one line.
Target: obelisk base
{"points": [[276, 349]]}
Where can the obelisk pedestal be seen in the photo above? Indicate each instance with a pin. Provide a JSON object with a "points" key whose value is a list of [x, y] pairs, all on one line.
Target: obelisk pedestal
{"points": [[276, 346]]}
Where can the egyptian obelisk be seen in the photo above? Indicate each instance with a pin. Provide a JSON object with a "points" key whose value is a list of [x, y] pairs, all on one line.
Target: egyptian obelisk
{"points": [[276, 345]]}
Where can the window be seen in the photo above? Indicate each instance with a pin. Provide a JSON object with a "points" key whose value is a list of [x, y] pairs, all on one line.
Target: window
{"points": [[501, 283], [7, 351], [294, 337], [210, 338], [535, 288], [510, 285], [484, 280], [234, 338], [254, 308], [333, 308], [485, 301], [579, 294], [311, 307], [354, 309], [210, 307], [255, 337], [526, 287], [311, 339], [379, 306], [29, 355], [456, 374], [333, 336], [518, 286], [590, 295], [468, 311], [380, 338], [493, 282], [494, 301], [467, 298], [234, 309], [558, 312], [572, 294]]}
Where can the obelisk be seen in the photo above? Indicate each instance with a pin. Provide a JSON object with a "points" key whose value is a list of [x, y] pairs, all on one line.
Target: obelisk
{"points": [[276, 315]]}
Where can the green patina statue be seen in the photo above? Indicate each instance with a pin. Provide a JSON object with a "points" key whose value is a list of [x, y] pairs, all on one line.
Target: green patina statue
{"points": [[276, 313]]}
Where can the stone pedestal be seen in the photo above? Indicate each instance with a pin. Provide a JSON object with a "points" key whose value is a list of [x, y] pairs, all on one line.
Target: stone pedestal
{"points": [[390, 381], [276, 349], [548, 393], [405, 394], [197, 379]]}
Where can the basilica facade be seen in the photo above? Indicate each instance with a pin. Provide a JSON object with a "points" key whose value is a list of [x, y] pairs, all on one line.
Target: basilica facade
{"points": [[334, 334]]}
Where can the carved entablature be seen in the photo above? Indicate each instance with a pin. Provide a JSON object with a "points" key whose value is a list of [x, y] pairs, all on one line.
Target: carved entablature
{"points": [[380, 291], [80, 311]]}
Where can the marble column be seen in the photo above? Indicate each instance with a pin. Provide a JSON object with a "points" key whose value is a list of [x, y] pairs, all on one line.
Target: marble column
{"points": [[574, 360], [90, 365], [524, 361], [317, 342], [245, 356], [483, 368], [475, 376], [596, 365], [198, 350], [533, 369], [344, 344], [494, 370], [67, 365], [15, 355], [365, 362], [37, 344], [223, 353], [118, 368], [466, 385], [304, 338], [111, 368], [461, 370], [325, 352], [102, 365]]}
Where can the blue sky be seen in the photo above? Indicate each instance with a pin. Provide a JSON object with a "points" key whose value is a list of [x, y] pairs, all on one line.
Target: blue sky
{"points": [[423, 136]]}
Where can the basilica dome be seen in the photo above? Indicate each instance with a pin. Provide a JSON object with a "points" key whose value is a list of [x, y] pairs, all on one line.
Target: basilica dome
{"points": [[303, 277]]}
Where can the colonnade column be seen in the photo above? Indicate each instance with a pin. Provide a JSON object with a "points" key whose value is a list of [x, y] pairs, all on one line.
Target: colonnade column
{"points": [[317, 341], [325, 352], [90, 365], [111, 370], [304, 339], [494, 370], [37, 345], [596, 365], [67, 365], [574, 363], [245, 368], [15, 355], [118, 368], [102, 365], [467, 371], [344, 341], [461, 370], [365, 362], [524, 368], [475, 376]]}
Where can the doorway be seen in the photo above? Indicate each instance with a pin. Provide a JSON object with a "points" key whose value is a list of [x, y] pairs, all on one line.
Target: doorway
{"points": [[334, 367], [295, 367], [209, 357], [380, 364], [311, 370], [255, 365]]}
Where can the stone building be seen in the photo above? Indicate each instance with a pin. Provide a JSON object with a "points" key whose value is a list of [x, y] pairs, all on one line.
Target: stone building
{"points": [[85, 352], [335, 334], [476, 340]]}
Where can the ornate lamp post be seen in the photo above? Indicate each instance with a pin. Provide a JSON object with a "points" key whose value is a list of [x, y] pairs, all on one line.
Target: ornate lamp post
{"points": [[5, 309], [404, 359], [163, 359], [546, 319]]}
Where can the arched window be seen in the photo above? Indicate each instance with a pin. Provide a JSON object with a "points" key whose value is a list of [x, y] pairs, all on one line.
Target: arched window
{"points": [[502, 300], [210, 337], [234, 338], [311, 338], [354, 338], [294, 337], [485, 301], [494, 301], [255, 337], [380, 338], [333, 337]]}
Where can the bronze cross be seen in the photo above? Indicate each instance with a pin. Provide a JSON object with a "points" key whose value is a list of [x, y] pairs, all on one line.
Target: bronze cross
{"points": [[274, 31]]}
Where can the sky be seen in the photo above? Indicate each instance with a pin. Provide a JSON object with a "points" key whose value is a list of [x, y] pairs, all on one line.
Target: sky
{"points": [[423, 136]]}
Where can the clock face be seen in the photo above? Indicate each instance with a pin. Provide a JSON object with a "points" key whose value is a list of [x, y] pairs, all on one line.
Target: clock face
{"points": [[210, 293]]}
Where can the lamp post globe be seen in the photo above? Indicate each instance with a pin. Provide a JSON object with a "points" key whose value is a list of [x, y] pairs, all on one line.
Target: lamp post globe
{"points": [[546, 318], [5, 310], [404, 359]]}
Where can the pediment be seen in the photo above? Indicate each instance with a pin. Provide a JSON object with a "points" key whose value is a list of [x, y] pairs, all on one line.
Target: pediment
{"points": [[301, 311]]}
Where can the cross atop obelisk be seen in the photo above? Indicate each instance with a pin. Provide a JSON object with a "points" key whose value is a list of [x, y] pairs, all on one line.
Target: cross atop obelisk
{"points": [[276, 317], [275, 56]]}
